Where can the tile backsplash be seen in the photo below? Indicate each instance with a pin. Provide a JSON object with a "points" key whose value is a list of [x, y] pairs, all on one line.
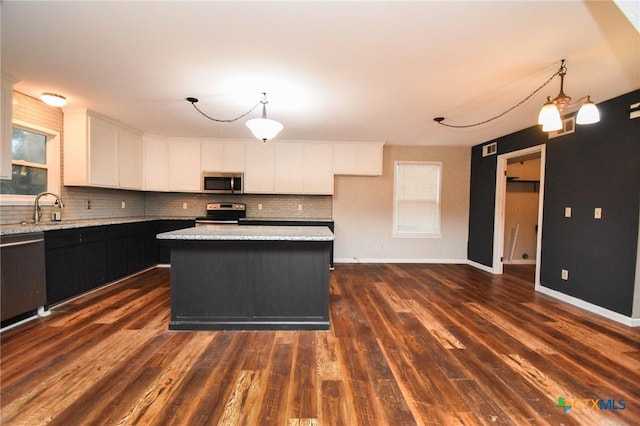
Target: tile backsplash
{"points": [[272, 206], [107, 203]]}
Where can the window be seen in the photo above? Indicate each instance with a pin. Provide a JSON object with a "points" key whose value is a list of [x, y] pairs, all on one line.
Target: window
{"points": [[416, 208], [35, 164]]}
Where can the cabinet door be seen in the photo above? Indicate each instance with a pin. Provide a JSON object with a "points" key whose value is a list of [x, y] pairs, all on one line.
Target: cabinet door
{"points": [[222, 157], [259, 176], [234, 157], [103, 144], [156, 176], [6, 108], [212, 159], [63, 274], [317, 175], [357, 159], [130, 159], [184, 166], [289, 168]]}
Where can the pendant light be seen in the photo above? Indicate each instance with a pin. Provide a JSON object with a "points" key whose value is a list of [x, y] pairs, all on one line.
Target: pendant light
{"points": [[549, 116], [262, 128]]}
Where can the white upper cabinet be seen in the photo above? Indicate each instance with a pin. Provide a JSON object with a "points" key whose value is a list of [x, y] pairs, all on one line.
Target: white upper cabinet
{"points": [[184, 165], [103, 153], [129, 159], [6, 113], [259, 173], [222, 156], [155, 163], [100, 152], [357, 158], [303, 168], [289, 168], [317, 174]]}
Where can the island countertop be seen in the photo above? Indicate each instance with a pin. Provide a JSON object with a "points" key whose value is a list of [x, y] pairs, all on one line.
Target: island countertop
{"points": [[249, 233]]}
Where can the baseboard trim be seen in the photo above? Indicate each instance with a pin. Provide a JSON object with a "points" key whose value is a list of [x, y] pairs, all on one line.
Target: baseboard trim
{"points": [[377, 260], [521, 262], [595, 309]]}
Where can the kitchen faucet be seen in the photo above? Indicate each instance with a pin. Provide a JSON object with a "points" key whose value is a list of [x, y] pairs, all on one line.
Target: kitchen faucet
{"points": [[37, 211]]}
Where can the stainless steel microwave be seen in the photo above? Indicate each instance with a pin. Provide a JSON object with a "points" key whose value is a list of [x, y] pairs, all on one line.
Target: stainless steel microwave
{"points": [[222, 183]]}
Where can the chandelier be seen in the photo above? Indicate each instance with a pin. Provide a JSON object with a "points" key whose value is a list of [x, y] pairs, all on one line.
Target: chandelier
{"points": [[549, 116], [262, 128]]}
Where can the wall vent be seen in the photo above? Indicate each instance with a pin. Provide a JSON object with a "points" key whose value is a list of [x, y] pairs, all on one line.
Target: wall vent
{"points": [[490, 149], [568, 126], [634, 110]]}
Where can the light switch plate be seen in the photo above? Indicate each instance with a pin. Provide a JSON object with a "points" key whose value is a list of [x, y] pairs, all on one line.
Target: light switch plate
{"points": [[567, 212], [597, 213]]}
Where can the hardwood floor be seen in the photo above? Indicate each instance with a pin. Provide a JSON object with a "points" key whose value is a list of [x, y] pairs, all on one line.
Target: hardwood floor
{"points": [[409, 344]]}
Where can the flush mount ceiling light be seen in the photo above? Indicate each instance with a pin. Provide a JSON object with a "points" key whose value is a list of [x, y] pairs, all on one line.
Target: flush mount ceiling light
{"points": [[53, 99], [549, 116], [262, 128]]}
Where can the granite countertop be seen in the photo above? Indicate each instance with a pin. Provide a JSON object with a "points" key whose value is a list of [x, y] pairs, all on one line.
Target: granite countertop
{"points": [[17, 228], [249, 233]]}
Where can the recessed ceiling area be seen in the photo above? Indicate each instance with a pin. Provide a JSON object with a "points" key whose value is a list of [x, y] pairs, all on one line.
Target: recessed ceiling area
{"points": [[350, 71]]}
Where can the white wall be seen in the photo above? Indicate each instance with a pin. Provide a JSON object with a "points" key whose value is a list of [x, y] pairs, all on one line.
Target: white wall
{"points": [[521, 208], [363, 211]]}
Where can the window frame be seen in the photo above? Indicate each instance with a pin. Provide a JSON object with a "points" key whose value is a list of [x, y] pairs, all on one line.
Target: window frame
{"points": [[436, 234], [52, 165]]}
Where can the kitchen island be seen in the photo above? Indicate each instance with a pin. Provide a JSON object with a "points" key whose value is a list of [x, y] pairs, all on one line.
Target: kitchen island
{"points": [[249, 277]]}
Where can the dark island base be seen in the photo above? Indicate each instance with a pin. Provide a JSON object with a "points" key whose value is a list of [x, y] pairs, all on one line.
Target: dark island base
{"points": [[249, 285]]}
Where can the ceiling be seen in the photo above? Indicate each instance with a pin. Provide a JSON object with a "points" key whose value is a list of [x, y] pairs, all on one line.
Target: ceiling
{"points": [[351, 70]]}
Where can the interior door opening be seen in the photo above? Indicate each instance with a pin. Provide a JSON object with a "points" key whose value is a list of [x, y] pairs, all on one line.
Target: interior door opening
{"points": [[518, 211]]}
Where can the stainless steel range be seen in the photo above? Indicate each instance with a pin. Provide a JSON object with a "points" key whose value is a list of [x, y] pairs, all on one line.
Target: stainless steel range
{"points": [[223, 213]]}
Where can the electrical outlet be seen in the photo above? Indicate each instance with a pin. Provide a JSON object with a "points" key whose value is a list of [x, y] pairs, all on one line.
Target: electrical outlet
{"points": [[259, 206], [184, 206], [565, 274], [567, 212], [88, 204], [299, 206], [124, 205], [597, 213]]}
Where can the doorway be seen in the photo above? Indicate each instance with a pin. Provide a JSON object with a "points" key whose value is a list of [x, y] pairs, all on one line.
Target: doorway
{"points": [[518, 233]]}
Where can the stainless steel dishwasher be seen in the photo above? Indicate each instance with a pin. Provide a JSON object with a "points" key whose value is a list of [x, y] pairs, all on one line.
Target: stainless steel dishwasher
{"points": [[23, 279]]}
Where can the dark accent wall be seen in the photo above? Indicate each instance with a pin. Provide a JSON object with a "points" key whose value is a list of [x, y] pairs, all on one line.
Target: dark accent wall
{"points": [[597, 166]]}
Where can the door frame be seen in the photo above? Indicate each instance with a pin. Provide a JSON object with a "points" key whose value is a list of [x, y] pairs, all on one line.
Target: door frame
{"points": [[500, 202]]}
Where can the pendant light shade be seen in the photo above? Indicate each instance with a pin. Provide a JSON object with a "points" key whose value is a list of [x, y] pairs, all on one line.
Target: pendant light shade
{"points": [[264, 128], [549, 117], [588, 113]]}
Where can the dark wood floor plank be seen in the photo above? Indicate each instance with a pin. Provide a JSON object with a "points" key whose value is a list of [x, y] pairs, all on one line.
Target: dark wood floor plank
{"points": [[420, 344]]}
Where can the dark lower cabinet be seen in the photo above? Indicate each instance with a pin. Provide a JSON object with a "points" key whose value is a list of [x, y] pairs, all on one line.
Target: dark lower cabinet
{"points": [[167, 226], [75, 261], [81, 259]]}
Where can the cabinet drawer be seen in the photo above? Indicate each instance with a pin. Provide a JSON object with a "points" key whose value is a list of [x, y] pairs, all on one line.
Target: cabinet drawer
{"points": [[61, 238], [93, 234]]}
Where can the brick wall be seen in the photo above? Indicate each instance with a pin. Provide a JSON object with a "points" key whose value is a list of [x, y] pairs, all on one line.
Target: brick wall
{"points": [[105, 203]]}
